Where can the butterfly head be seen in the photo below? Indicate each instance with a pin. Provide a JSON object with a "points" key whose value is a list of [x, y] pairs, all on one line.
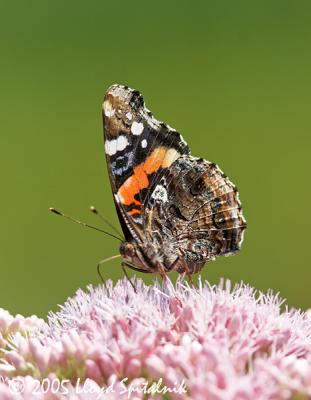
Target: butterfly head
{"points": [[135, 254]]}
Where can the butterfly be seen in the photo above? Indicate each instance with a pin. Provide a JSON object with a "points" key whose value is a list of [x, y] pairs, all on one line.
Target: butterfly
{"points": [[177, 211]]}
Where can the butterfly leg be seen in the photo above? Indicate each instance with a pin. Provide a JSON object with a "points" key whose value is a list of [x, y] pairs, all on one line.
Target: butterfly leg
{"points": [[123, 265], [189, 277], [163, 273], [103, 262], [188, 274], [187, 271], [182, 276]]}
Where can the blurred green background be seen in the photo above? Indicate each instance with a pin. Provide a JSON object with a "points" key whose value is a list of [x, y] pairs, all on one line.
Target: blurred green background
{"points": [[233, 77]]}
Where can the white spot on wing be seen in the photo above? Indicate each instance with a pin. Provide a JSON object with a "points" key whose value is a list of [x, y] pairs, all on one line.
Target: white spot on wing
{"points": [[122, 142], [109, 113], [111, 147], [144, 143], [115, 145], [129, 116], [108, 110], [138, 219], [160, 193], [137, 128]]}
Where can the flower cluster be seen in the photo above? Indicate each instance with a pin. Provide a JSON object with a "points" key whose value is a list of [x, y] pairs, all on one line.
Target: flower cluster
{"points": [[163, 342]]}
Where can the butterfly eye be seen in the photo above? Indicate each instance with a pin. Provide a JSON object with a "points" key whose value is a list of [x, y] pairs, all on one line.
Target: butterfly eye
{"points": [[127, 249]]}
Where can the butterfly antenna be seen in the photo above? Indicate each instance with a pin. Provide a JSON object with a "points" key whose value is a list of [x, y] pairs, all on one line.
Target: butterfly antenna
{"points": [[53, 210], [103, 262], [96, 212]]}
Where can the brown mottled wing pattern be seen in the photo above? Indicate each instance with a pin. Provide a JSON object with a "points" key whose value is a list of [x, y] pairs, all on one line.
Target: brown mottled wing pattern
{"points": [[198, 212]]}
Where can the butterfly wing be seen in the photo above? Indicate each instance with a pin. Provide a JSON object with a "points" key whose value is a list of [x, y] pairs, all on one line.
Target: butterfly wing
{"points": [[196, 215], [139, 151]]}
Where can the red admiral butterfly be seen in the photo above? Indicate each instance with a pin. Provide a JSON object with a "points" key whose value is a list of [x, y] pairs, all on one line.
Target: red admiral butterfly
{"points": [[177, 211]]}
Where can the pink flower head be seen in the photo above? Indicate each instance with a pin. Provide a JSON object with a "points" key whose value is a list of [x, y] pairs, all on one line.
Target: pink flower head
{"points": [[177, 342]]}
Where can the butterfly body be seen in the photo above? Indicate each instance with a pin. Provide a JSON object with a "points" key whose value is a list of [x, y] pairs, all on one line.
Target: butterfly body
{"points": [[177, 211]]}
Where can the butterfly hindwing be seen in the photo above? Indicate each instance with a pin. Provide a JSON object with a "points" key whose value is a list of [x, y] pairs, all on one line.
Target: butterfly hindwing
{"points": [[195, 209]]}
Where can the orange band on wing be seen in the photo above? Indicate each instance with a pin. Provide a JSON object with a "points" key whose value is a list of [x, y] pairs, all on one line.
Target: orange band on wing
{"points": [[134, 211], [160, 157]]}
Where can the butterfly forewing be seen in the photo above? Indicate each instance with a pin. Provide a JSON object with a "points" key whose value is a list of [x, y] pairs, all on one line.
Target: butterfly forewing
{"points": [[139, 149]]}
